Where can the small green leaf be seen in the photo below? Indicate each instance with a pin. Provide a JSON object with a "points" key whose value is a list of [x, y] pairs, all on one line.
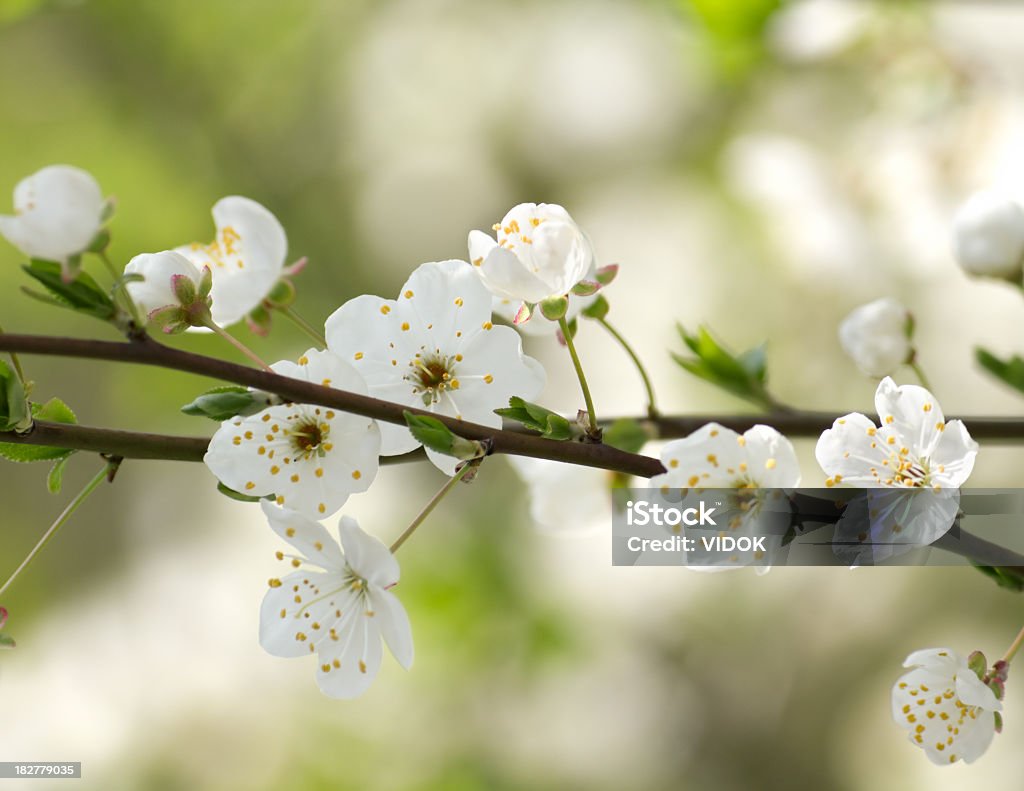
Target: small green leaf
{"points": [[1009, 578], [81, 294], [55, 478], [282, 294], [597, 309], [626, 434], [14, 410], [744, 375], [6, 642], [1009, 371], [548, 424], [54, 411], [977, 663], [232, 494], [224, 403], [435, 435]]}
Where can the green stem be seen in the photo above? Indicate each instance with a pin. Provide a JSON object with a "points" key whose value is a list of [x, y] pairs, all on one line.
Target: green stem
{"points": [[1014, 648], [65, 515], [449, 485], [652, 410], [571, 346], [122, 290], [223, 333], [915, 366], [303, 325]]}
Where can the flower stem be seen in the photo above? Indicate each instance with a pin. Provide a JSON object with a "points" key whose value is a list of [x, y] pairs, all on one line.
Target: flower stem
{"points": [[915, 366], [122, 290], [449, 485], [303, 325], [652, 409], [223, 333], [65, 515], [1018, 641], [570, 345]]}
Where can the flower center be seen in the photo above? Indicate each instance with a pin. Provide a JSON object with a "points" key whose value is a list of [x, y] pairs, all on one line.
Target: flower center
{"points": [[308, 438], [431, 376]]}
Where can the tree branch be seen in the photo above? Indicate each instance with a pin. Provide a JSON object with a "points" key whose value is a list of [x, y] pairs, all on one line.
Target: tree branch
{"points": [[145, 351], [515, 441]]}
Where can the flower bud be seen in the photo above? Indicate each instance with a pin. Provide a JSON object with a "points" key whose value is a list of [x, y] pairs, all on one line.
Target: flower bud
{"points": [[876, 336], [988, 236]]}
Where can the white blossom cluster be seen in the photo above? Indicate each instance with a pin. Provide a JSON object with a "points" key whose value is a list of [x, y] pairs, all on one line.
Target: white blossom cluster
{"points": [[435, 346]]}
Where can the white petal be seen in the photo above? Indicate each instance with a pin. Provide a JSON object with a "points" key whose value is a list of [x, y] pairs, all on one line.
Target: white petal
{"points": [[480, 244], [366, 555], [940, 660], [709, 457], [394, 625], [771, 460], [310, 538], [976, 736], [246, 257], [358, 655], [953, 455], [852, 449], [971, 690], [283, 629], [506, 276]]}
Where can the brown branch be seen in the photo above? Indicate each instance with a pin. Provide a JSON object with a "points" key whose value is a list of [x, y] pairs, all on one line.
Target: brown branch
{"points": [[145, 351]]}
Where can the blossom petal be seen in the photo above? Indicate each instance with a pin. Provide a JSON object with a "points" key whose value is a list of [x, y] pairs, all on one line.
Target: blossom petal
{"points": [[283, 630], [366, 555], [504, 274], [971, 690], [310, 538], [953, 455], [394, 625], [348, 666]]}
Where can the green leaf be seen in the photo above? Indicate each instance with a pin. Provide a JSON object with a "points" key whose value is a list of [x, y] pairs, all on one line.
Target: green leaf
{"points": [[6, 641], [626, 434], [435, 435], [224, 403], [606, 274], [597, 309], [82, 294], [977, 663], [548, 424], [99, 242], [54, 411], [1009, 371], [55, 478], [1009, 578], [14, 411], [744, 375], [734, 32], [586, 288], [232, 494]]}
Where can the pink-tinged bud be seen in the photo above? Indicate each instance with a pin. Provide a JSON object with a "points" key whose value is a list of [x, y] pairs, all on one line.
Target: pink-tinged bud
{"points": [[523, 314], [296, 268]]}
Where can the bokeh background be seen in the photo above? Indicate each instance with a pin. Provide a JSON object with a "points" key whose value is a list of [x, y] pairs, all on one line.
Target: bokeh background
{"points": [[764, 166]]}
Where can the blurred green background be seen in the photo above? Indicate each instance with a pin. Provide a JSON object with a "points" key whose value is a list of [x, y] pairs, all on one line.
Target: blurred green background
{"points": [[762, 165]]}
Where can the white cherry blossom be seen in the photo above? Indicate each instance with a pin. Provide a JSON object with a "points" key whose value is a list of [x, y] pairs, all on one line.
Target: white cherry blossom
{"points": [[159, 271], [988, 236], [875, 336], [310, 458], [247, 257], [946, 709], [57, 213], [539, 252], [759, 464], [434, 348], [341, 609], [913, 447]]}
